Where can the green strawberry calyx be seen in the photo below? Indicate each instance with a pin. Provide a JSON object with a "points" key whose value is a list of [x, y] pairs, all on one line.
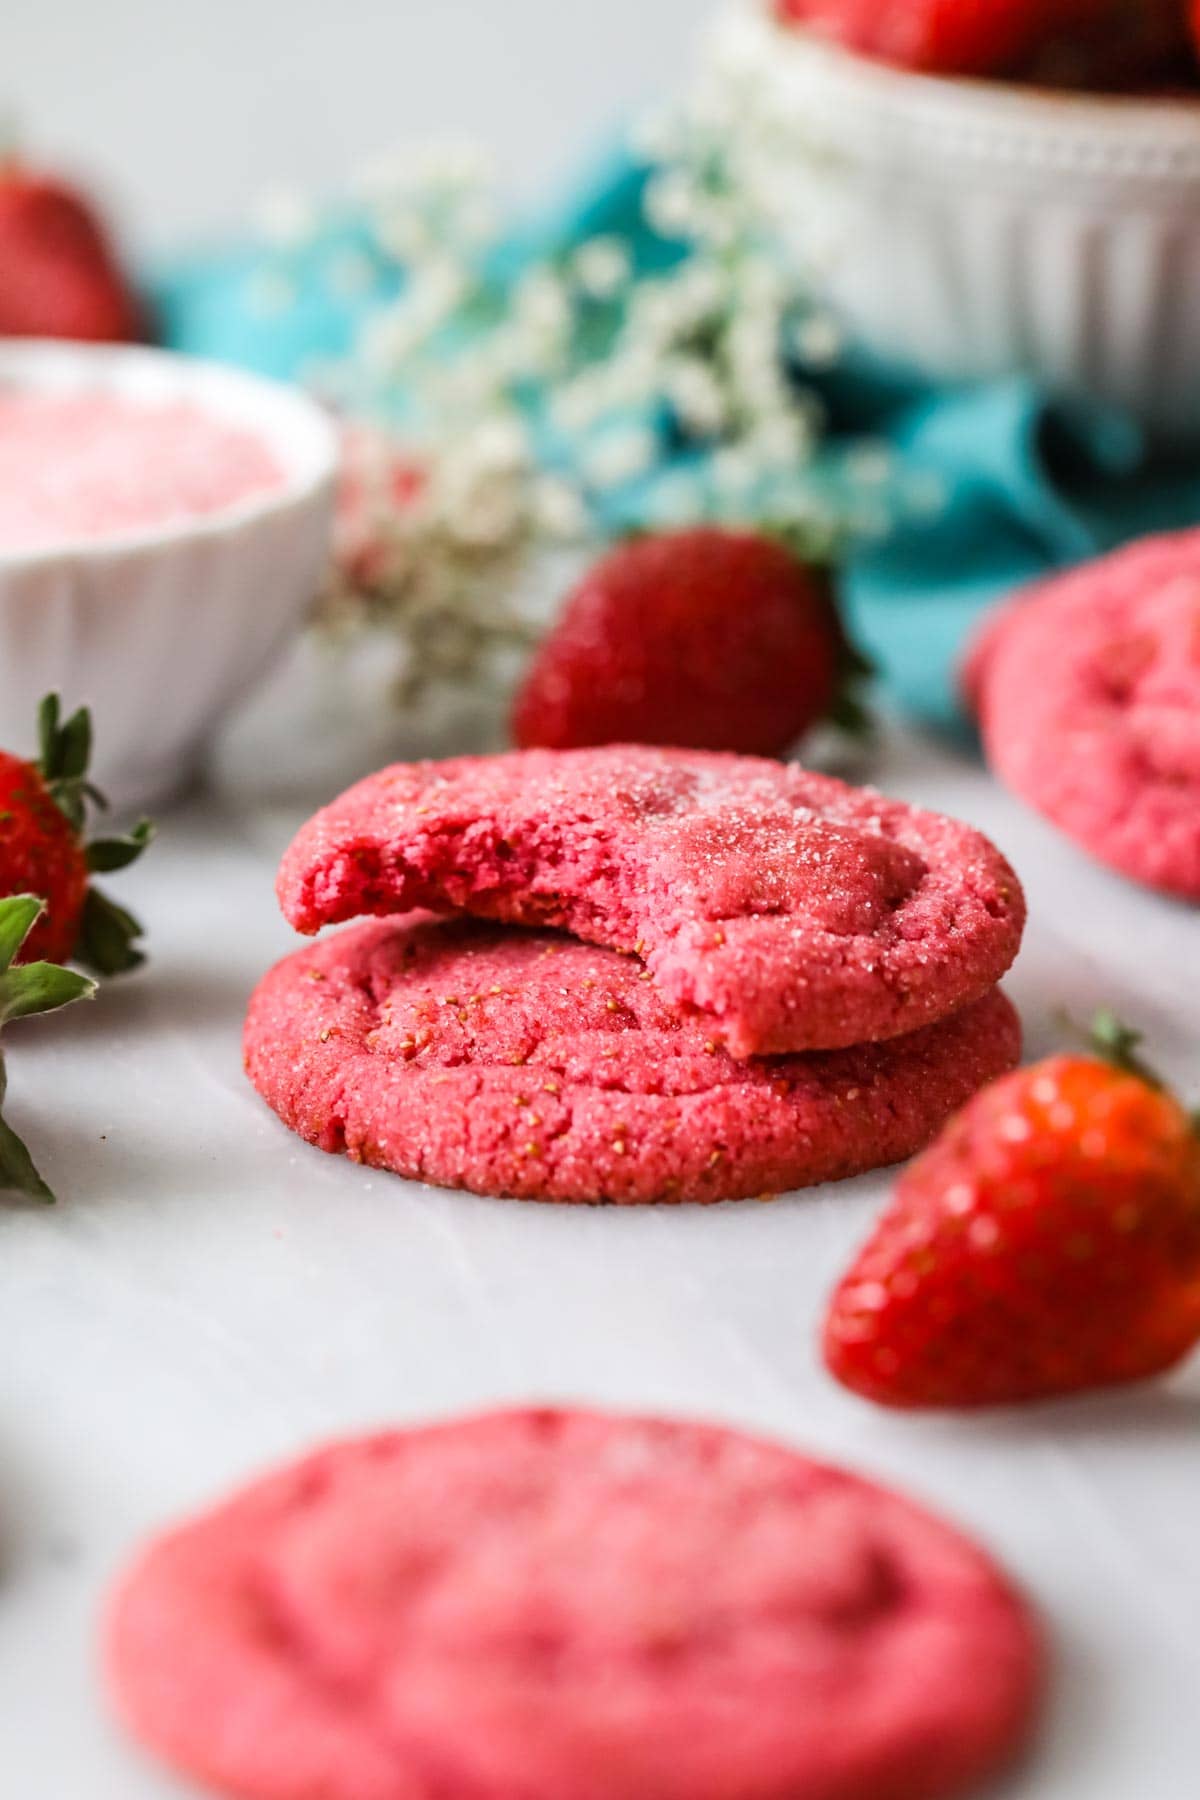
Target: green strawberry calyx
{"points": [[25, 989], [108, 934], [1119, 1044], [848, 711]]}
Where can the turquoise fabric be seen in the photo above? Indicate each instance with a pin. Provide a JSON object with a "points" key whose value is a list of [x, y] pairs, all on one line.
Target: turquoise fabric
{"points": [[1030, 487], [1027, 485]]}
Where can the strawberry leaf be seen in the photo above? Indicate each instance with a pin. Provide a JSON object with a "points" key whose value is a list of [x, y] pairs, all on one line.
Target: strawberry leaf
{"points": [[848, 711], [65, 749], [40, 987], [18, 916], [17, 1172], [31, 988], [64, 754], [108, 936], [107, 933], [104, 855]]}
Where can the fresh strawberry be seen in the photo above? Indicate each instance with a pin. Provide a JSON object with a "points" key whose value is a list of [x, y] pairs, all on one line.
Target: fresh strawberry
{"points": [[947, 37], [1116, 46], [1080, 42], [59, 276], [709, 639], [1048, 1242], [42, 849], [38, 987]]}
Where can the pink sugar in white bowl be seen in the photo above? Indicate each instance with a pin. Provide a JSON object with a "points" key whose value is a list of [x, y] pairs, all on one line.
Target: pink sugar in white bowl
{"points": [[76, 467], [164, 526]]}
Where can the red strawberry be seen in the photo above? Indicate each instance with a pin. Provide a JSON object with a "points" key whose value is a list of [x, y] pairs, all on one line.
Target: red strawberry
{"points": [[42, 850], [1116, 46], [39, 987], [1048, 1242], [986, 37], [709, 639], [1085, 42], [59, 276]]}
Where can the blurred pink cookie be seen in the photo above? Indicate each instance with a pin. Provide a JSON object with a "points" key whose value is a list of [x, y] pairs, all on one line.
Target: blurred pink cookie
{"points": [[1087, 692], [517, 1063], [554, 1605], [782, 909]]}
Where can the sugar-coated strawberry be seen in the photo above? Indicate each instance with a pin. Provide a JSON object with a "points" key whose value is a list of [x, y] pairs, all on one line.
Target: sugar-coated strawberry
{"points": [[43, 850], [1047, 1243], [704, 639], [59, 274], [36, 987]]}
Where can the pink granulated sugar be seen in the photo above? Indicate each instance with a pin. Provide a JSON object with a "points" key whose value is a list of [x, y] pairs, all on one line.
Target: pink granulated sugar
{"points": [[79, 467], [1087, 691], [523, 1064], [561, 1605], [783, 909]]}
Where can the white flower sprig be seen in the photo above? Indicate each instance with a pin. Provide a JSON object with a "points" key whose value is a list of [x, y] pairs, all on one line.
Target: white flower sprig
{"points": [[592, 388]]}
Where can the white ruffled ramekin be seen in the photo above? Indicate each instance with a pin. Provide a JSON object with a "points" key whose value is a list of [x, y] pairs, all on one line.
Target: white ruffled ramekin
{"points": [[966, 229], [162, 632]]}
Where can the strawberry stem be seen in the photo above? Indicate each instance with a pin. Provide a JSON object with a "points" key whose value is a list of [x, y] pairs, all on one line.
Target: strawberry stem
{"points": [[29, 988], [64, 753], [1118, 1044]]}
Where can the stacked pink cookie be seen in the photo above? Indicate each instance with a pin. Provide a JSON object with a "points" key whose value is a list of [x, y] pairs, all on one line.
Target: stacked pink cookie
{"points": [[657, 975]]}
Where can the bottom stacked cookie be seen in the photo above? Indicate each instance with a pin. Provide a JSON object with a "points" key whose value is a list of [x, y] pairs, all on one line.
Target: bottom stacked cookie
{"points": [[565, 1606], [518, 1063]]}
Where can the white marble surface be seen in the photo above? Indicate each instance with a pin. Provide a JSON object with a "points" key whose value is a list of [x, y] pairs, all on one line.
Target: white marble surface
{"points": [[210, 1294]]}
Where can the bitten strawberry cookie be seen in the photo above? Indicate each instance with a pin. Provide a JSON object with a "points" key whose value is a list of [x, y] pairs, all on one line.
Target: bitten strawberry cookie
{"points": [[558, 1604], [1088, 698], [782, 909], [517, 1063]]}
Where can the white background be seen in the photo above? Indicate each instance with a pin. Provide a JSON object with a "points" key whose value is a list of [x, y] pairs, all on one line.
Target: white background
{"points": [[210, 1294], [186, 111]]}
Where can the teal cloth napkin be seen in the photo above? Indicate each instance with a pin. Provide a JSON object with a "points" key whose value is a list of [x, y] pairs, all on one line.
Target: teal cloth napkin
{"points": [[1027, 485]]}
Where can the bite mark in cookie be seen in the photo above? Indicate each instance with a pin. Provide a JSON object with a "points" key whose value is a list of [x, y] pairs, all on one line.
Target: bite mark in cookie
{"points": [[785, 910]]}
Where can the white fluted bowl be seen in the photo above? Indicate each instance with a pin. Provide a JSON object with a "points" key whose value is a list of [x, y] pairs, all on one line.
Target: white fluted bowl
{"points": [[163, 631], [967, 229]]}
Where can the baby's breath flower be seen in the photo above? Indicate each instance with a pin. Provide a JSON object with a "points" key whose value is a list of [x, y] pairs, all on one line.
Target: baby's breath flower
{"points": [[817, 340], [781, 440], [601, 267], [696, 394], [559, 509], [541, 306], [577, 361], [620, 455], [671, 204]]}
